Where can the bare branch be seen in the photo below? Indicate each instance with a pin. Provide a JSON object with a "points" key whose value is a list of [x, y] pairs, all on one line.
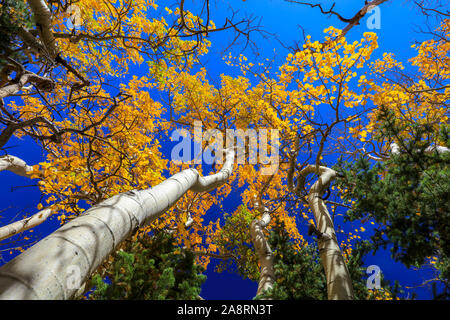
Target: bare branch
{"points": [[25, 224]]}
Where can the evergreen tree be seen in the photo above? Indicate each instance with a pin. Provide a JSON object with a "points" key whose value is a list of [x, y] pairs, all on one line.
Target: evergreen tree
{"points": [[14, 15], [300, 275], [407, 195], [151, 268]]}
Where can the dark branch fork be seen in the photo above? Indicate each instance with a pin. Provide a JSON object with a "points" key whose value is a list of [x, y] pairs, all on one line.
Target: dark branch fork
{"points": [[353, 21]]}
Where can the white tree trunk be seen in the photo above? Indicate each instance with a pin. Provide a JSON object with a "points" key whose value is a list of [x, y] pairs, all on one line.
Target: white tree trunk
{"points": [[265, 255], [339, 283], [43, 18], [56, 266]]}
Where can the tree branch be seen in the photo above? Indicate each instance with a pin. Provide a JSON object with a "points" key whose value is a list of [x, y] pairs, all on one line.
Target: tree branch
{"points": [[15, 165], [25, 224]]}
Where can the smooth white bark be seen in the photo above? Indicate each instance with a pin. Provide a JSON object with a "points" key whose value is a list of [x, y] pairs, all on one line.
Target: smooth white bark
{"points": [[43, 83], [395, 149], [71, 254], [263, 251], [15, 165], [339, 284], [24, 224], [43, 19]]}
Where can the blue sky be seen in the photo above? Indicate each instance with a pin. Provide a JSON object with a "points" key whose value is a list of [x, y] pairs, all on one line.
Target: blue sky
{"points": [[399, 22]]}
